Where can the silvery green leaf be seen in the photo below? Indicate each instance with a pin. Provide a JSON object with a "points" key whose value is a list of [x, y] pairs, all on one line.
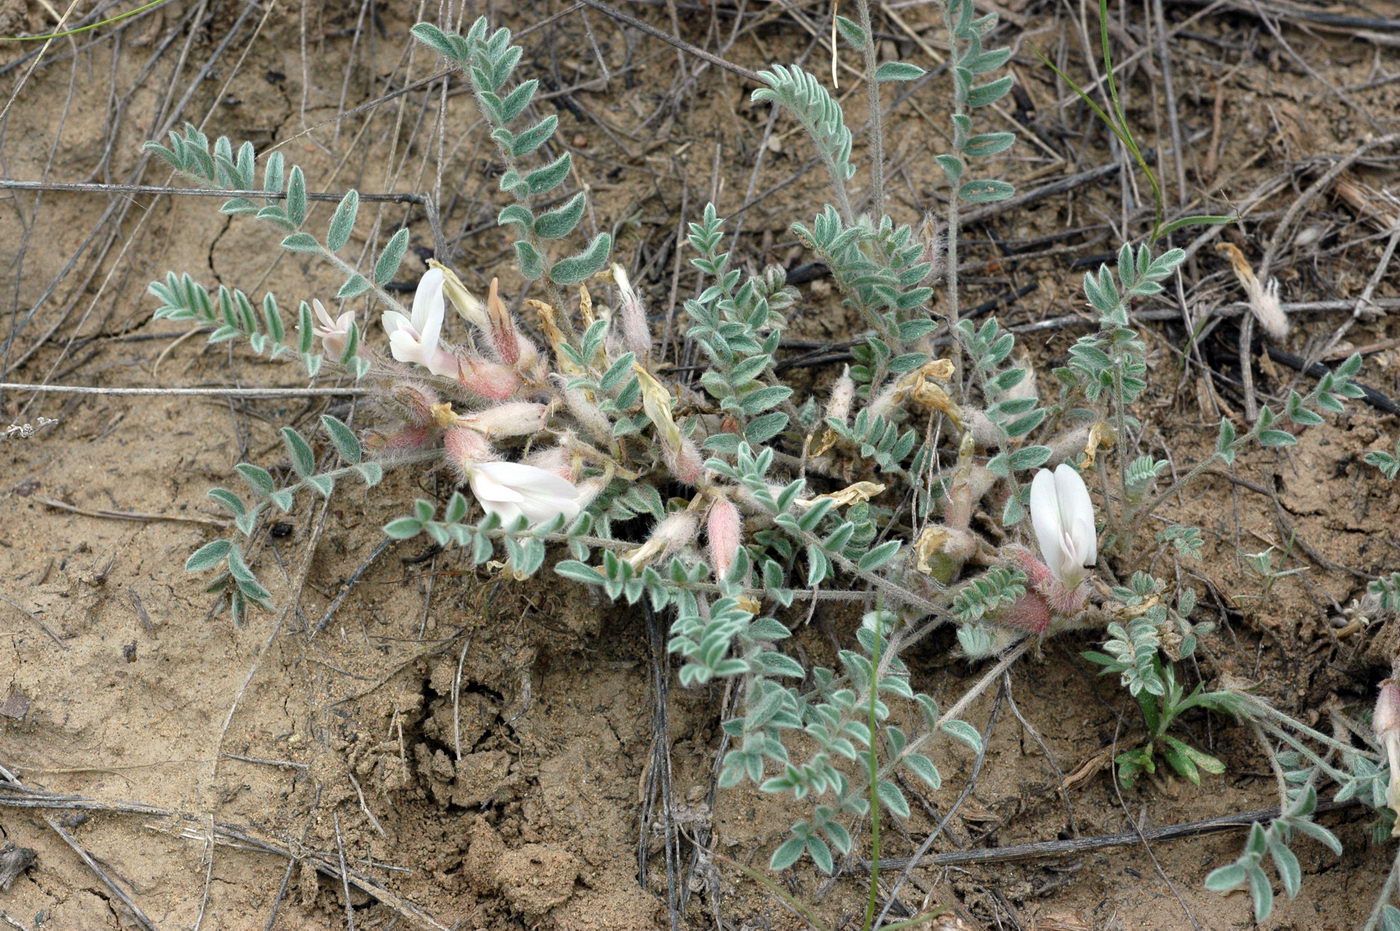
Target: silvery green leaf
{"points": [[272, 319], [303, 460], [296, 197], [964, 732], [434, 38], [166, 154], [987, 94], [531, 139], [456, 508], [323, 484], [229, 500], [272, 173], [587, 263], [404, 528], [372, 473], [208, 556], [348, 355], [354, 286], [236, 205], [237, 567], [923, 767], [517, 215], [986, 144], [892, 798], [556, 224], [851, 32], [1261, 893], [282, 498], [1277, 438], [514, 103], [346, 443], [1030, 457], [531, 263], [763, 428], [301, 242], [985, 191], [1319, 833], [543, 180], [880, 555], [1289, 870], [787, 853], [343, 220], [898, 71], [258, 478], [391, 257], [1226, 878], [579, 572]]}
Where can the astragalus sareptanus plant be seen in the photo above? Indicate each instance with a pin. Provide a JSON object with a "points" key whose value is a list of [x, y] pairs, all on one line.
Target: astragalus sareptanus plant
{"points": [[938, 478]]}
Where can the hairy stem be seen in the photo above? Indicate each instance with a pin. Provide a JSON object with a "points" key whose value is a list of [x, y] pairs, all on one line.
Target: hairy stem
{"points": [[877, 133]]}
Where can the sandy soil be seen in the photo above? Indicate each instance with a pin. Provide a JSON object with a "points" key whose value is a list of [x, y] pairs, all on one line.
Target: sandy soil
{"points": [[478, 753]]}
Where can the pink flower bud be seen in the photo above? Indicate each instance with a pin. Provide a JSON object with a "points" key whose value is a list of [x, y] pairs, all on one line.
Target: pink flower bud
{"points": [[1030, 613], [671, 534], [392, 447], [489, 380], [513, 418], [1386, 723], [684, 461], [1386, 719], [464, 449], [722, 530], [636, 336], [415, 402], [554, 459], [502, 327]]}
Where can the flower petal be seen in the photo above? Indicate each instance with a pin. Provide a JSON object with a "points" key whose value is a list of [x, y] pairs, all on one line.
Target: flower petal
{"points": [[1045, 517], [537, 493], [1077, 513], [427, 301], [487, 488], [394, 321]]}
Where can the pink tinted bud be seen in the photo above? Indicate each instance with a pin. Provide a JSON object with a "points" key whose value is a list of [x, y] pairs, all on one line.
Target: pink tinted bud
{"points": [[489, 380], [513, 418], [685, 462], [674, 532], [722, 530], [636, 336], [407, 440], [503, 335], [1030, 613], [464, 448], [1386, 722], [415, 402], [555, 459], [1386, 719]]}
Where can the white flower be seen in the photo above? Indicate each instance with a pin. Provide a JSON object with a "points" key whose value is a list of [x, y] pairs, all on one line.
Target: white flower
{"points": [[333, 333], [1063, 517], [512, 489], [415, 338]]}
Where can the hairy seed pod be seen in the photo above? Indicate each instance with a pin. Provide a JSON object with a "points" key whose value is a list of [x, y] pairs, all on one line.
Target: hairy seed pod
{"points": [[723, 529]]}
